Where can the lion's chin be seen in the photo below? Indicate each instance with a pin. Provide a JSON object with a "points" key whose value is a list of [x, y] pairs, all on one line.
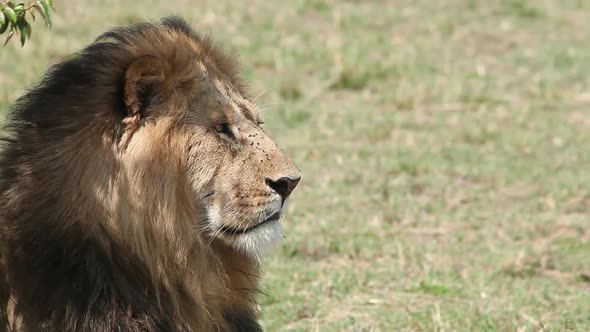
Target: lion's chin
{"points": [[257, 242]]}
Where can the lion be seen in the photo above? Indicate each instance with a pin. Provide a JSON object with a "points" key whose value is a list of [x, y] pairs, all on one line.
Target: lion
{"points": [[138, 190]]}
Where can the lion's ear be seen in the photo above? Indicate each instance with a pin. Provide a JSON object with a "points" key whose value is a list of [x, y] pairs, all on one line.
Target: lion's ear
{"points": [[140, 78]]}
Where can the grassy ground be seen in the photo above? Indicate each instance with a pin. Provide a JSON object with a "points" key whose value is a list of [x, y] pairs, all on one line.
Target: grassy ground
{"points": [[445, 147]]}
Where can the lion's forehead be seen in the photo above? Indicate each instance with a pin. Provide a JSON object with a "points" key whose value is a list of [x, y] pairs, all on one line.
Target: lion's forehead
{"points": [[223, 97]]}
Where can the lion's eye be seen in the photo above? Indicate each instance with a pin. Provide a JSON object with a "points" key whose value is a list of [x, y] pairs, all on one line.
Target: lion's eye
{"points": [[225, 129], [260, 122]]}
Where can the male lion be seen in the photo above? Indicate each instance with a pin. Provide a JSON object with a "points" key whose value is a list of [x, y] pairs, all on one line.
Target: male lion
{"points": [[137, 190]]}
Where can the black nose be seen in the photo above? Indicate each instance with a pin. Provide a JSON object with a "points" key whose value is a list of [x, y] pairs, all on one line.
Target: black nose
{"points": [[283, 186]]}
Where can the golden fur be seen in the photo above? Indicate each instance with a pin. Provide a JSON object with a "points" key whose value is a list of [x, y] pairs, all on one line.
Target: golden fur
{"points": [[137, 190]]}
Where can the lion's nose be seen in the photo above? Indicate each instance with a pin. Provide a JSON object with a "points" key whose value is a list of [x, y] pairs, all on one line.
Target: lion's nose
{"points": [[283, 186]]}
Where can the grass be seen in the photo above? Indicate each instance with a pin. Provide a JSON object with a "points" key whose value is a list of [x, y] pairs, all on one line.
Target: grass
{"points": [[445, 148]]}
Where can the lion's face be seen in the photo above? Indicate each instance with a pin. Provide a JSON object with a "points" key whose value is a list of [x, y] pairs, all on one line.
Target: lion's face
{"points": [[249, 178]]}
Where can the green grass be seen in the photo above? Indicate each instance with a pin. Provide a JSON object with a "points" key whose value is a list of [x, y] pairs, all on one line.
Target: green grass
{"points": [[445, 149]]}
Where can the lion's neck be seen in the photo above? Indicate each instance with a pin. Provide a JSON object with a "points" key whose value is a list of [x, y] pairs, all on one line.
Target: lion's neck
{"points": [[243, 275], [190, 269]]}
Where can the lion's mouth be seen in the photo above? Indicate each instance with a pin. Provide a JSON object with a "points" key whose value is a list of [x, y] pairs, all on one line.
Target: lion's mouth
{"points": [[236, 231]]}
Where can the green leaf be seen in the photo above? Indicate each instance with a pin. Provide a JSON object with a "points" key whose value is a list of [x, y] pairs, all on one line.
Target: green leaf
{"points": [[46, 5], [43, 6], [3, 27], [22, 30], [10, 14], [27, 27], [10, 34], [41, 11], [18, 9], [2, 18]]}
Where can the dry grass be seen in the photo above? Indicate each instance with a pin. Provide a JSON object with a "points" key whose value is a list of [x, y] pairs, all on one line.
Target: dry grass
{"points": [[445, 147]]}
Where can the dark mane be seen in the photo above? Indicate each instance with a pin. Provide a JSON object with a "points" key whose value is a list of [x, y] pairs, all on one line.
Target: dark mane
{"points": [[90, 81]]}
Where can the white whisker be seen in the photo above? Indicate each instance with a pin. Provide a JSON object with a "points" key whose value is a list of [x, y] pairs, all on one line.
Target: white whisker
{"points": [[260, 95]]}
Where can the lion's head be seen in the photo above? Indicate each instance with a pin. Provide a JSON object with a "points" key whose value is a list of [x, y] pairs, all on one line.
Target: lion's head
{"points": [[184, 96], [142, 154], [194, 101]]}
